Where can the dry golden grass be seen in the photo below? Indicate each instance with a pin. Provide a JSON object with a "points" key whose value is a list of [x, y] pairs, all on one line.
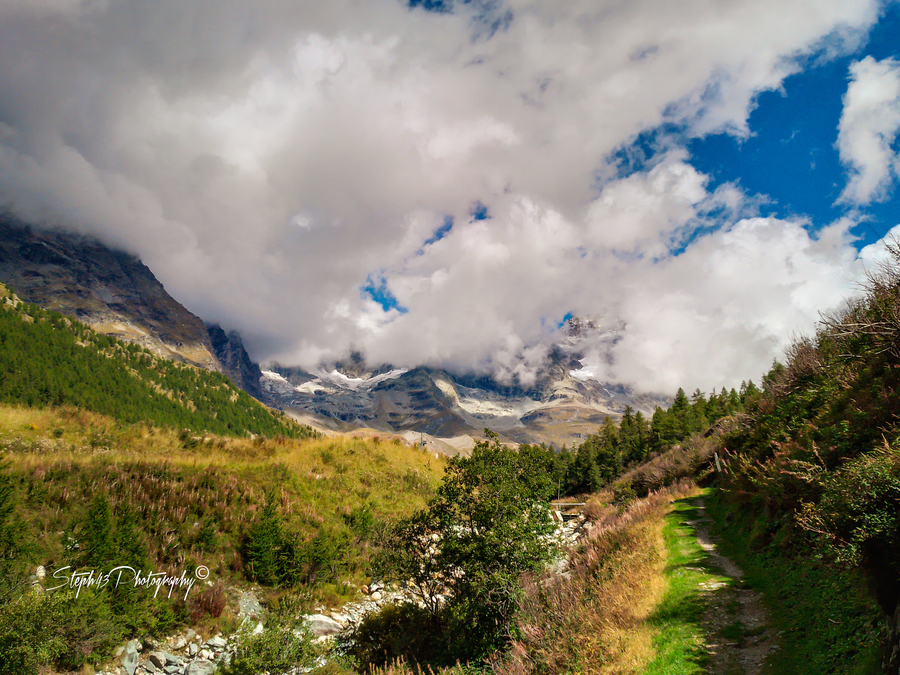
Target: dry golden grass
{"points": [[177, 484], [594, 618]]}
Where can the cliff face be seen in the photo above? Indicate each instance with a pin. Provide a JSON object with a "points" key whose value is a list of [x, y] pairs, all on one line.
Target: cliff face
{"points": [[235, 361], [113, 291]]}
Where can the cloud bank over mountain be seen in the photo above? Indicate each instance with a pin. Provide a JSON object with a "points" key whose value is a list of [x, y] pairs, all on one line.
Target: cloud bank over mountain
{"points": [[440, 187]]}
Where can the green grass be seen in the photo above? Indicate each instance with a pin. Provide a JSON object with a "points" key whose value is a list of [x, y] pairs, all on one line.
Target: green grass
{"points": [[678, 620], [826, 619]]}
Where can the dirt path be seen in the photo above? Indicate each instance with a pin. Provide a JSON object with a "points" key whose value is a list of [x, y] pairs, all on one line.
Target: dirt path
{"points": [[739, 639]]}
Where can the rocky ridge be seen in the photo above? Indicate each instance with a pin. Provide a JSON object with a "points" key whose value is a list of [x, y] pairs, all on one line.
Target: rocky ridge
{"points": [[112, 291]]}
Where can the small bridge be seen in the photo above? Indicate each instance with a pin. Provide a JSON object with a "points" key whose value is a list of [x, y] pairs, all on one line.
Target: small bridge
{"points": [[563, 511]]}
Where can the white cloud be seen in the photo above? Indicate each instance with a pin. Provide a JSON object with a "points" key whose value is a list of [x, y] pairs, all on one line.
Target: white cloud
{"points": [[869, 124], [265, 163]]}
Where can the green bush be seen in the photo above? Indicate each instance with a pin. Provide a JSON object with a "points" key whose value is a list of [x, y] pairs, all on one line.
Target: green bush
{"points": [[404, 631], [58, 629], [285, 643], [487, 525]]}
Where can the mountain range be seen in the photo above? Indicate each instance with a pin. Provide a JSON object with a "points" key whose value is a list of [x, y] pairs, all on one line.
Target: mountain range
{"points": [[116, 294]]}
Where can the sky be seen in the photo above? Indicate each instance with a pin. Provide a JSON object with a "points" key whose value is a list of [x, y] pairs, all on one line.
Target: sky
{"points": [[445, 183]]}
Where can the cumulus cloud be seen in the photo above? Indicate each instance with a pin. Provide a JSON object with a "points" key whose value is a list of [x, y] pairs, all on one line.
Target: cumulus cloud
{"points": [[270, 164], [869, 124]]}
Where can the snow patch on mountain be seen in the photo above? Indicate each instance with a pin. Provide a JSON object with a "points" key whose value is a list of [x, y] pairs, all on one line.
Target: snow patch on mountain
{"points": [[324, 382]]}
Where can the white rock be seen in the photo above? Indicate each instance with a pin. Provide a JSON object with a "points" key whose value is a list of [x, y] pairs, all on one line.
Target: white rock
{"points": [[342, 619], [320, 625], [200, 667]]}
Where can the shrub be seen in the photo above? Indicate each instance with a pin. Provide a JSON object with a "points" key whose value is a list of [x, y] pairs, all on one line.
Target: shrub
{"points": [[39, 629], [404, 631], [210, 602], [284, 644], [487, 525], [265, 548]]}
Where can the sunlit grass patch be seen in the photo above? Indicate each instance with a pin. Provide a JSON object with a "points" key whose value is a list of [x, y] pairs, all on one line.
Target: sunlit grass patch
{"points": [[678, 620]]}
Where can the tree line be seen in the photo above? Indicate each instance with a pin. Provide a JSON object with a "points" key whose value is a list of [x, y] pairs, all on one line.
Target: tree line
{"points": [[614, 448], [47, 359]]}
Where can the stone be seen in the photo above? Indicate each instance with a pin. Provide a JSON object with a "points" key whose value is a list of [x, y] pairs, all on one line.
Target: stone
{"points": [[249, 605], [174, 669], [40, 572], [158, 659], [190, 634], [258, 628], [179, 643], [200, 667], [193, 649], [150, 667], [321, 625], [130, 659], [376, 596], [342, 619], [205, 654], [217, 642]]}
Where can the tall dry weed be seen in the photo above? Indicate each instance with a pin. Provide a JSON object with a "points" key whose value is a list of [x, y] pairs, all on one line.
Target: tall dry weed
{"points": [[592, 618]]}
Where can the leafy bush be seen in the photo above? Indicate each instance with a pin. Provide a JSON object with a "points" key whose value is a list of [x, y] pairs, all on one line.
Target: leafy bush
{"points": [[284, 644], [487, 525], [403, 631], [57, 628]]}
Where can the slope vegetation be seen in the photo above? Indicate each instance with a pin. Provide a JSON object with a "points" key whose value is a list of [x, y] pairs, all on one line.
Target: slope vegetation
{"points": [[48, 359], [299, 518]]}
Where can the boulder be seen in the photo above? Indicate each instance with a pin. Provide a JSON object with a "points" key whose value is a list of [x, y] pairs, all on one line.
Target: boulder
{"points": [[130, 659], [217, 642], [342, 619], [200, 667], [321, 625], [158, 659]]}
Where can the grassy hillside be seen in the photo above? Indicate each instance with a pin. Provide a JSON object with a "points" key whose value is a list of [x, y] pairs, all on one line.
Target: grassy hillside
{"points": [[84, 490], [812, 481], [47, 359]]}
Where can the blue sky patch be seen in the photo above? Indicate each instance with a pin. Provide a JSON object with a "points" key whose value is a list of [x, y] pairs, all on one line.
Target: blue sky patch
{"points": [[378, 291], [479, 212], [790, 158], [439, 233]]}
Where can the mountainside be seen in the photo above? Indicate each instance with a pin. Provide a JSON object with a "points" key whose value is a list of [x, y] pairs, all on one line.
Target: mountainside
{"points": [[112, 291], [117, 295], [47, 359], [558, 408], [235, 362]]}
